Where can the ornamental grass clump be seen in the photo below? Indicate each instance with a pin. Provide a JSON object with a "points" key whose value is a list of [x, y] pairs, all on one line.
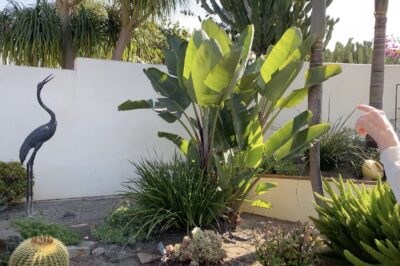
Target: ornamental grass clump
{"points": [[165, 196], [203, 248], [362, 224]]}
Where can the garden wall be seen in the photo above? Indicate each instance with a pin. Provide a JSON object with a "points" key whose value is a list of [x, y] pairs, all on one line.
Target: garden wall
{"points": [[91, 151]]}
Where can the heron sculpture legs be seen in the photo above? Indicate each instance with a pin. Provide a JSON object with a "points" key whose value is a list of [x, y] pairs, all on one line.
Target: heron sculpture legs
{"points": [[29, 181]]}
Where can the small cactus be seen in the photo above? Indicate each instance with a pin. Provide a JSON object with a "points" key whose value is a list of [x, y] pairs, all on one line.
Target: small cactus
{"points": [[40, 251]]}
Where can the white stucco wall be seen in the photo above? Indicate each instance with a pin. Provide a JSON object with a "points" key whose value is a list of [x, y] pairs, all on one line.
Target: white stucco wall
{"points": [[91, 151]]}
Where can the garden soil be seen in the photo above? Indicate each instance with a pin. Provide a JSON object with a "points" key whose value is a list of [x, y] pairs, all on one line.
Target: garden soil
{"points": [[84, 214]]}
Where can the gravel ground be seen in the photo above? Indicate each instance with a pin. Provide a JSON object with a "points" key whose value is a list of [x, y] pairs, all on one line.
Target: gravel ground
{"points": [[82, 214]]}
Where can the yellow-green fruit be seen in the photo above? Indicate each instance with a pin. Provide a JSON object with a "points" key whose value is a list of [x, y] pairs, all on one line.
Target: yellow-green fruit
{"points": [[40, 251], [372, 169]]}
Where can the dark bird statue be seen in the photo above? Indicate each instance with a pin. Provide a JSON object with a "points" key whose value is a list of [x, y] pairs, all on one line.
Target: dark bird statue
{"points": [[35, 141]]}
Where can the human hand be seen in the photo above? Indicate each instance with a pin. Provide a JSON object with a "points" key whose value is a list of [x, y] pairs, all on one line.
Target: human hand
{"points": [[375, 123]]}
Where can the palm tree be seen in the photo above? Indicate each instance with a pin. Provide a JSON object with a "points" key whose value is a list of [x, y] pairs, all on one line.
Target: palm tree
{"points": [[133, 13], [378, 55], [65, 8], [318, 25]]}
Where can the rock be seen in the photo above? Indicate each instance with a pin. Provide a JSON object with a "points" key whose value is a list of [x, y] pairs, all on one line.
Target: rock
{"points": [[78, 251], [90, 244], [69, 214], [9, 237], [120, 257], [145, 257], [98, 251]]}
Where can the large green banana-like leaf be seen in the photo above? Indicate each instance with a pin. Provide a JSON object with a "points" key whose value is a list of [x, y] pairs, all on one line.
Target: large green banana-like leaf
{"points": [[318, 74], [188, 148], [286, 132], [293, 99], [264, 187], [174, 101], [195, 41], [245, 41], [241, 118], [261, 203], [301, 140], [280, 81], [179, 47], [289, 42], [222, 73], [255, 144], [215, 32], [133, 105], [207, 56]]}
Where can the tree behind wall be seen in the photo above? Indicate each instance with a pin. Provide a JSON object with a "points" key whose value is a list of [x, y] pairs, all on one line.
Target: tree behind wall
{"points": [[134, 13], [270, 18], [378, 55]]}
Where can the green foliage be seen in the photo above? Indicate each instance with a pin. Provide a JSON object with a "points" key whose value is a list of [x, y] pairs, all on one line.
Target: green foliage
{"points": [[271, 19], [119, 228], [285, 167], [341, 147], [362, 224], [167, 195], [41, 250], [31, 35], [203, 248], [12, 181], [298, 246], [30, 228], [358, 53], [234, 103]]}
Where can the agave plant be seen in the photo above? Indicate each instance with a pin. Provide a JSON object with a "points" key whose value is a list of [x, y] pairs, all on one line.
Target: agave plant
{"points": [[226, 105]]}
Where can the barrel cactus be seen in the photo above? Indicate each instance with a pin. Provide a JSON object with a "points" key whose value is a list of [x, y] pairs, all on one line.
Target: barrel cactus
{"points": [[40, 251]]}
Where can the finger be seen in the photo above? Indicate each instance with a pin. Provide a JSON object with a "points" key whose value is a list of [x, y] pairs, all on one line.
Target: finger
{"points": [[365, 108], [359, 128]]}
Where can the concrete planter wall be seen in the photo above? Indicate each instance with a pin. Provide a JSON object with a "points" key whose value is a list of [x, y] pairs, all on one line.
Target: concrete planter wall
{"points": [[292, 199]]}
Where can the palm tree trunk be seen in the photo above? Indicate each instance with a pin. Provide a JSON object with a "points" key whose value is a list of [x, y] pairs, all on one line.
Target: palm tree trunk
{"points": [[318, 28], [68, 55], [315, 106], [124, 38], [378, 66]]}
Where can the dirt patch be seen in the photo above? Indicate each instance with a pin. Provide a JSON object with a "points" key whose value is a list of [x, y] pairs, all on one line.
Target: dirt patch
{"points": [[85, 213]]}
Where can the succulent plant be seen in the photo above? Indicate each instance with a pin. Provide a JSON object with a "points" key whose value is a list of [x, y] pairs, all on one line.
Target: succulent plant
{"points": [[40, 251]]}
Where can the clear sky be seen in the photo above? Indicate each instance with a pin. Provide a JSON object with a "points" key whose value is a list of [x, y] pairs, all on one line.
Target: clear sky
{"points": [[356, 18]]}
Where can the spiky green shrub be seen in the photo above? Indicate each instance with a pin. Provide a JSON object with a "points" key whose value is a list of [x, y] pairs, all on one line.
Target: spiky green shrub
{"points": [[362, 224], [164, 196]]}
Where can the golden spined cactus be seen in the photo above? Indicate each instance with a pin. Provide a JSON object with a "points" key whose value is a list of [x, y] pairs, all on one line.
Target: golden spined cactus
{"points": [[40, 251]]}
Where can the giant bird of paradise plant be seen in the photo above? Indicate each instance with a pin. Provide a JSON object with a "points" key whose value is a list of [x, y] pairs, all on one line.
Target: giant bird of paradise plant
{"points": [[227, 104]]}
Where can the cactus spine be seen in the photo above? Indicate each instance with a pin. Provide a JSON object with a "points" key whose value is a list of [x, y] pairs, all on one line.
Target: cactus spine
{"points": [[40, 251]]}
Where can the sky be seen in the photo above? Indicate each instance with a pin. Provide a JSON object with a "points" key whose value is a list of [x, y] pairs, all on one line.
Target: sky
{"points": [[356, 19]]}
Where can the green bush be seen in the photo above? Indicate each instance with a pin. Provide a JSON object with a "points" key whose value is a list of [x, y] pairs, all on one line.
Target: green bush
{"points": [[166, 195], [362, 224], [285, 167], [12, 181], [298, 246], [342, 147], [30, 227]]}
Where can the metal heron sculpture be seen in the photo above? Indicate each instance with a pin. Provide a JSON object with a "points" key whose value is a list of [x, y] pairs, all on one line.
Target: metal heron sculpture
{"points": [[35, 141]]}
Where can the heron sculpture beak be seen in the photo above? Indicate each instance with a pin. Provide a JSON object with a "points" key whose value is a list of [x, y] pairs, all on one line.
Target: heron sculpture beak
{"points": [[47, 79]]}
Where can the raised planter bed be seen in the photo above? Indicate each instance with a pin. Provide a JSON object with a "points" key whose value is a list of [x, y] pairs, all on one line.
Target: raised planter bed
{"points": [[292, 199]]}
